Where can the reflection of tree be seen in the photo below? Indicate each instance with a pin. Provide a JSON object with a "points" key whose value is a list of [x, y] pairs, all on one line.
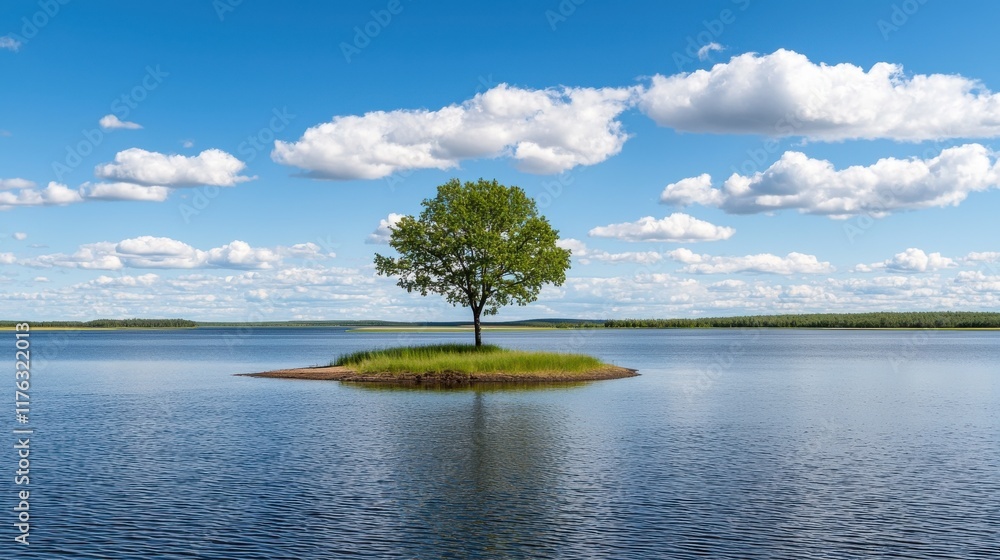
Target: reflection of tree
{"points": [[475, 476]]}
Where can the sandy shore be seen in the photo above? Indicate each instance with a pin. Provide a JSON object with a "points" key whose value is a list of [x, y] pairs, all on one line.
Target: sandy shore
{"points": [[340, 373]]}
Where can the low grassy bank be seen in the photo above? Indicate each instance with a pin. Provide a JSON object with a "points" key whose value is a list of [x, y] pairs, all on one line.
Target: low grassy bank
{"points": [[457, 364], [466, 359]]}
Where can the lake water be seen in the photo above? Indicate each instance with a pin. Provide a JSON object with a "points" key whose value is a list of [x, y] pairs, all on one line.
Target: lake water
{"points": [[731, 444]]}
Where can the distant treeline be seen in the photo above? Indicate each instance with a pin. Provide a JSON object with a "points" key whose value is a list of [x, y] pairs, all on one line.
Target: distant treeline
{"points": [[301, 324], [883, 320], [111, 324], [140, 323], [551, 323]]}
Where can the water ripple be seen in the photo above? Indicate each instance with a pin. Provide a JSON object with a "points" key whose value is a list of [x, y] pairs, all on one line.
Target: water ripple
{"points": [[780, 457]]}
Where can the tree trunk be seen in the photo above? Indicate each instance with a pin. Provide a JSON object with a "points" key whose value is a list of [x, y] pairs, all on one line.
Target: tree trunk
{"points": [[479, 328]]}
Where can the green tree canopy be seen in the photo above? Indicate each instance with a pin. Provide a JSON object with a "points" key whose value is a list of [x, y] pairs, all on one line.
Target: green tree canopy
{"points": [[480, 244]]}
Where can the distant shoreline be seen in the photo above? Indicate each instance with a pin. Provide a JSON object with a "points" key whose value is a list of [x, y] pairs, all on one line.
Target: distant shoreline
{"points": [[896, 320], [46, 328]]}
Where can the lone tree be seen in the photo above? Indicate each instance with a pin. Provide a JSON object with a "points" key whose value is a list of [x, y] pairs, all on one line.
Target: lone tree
{"points": [[481, 245]]}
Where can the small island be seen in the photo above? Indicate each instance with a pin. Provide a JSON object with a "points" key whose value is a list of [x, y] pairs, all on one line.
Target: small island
{"points": [[456, 364], [481, 245]]}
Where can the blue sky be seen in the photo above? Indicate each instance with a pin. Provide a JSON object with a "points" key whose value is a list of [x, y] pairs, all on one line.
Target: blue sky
{"points": [[243, 160]]}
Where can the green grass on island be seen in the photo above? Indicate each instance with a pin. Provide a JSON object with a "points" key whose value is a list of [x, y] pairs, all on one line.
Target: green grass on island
{"points": [[468, 360]]}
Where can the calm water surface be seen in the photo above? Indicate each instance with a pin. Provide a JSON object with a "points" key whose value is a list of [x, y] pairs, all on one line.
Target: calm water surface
{"points": [[731, 444]]}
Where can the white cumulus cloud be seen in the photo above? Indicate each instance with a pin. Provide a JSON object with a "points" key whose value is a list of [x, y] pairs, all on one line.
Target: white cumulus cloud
{"points": [[383, 232], [693, 190], [765, 263], [676, 227], [544, 131], [165, 253], [20, 235], [15, 183], [257, 295], [91, 256], [158, 252], [240, 254], [112, 122], [910, 260], [55, 194], [310, 251], [814, 186], [586, 255], [124, 191], [986, 256], [785, 94], [706, 50], [136, 174], [210, 167], [10, 44]]}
